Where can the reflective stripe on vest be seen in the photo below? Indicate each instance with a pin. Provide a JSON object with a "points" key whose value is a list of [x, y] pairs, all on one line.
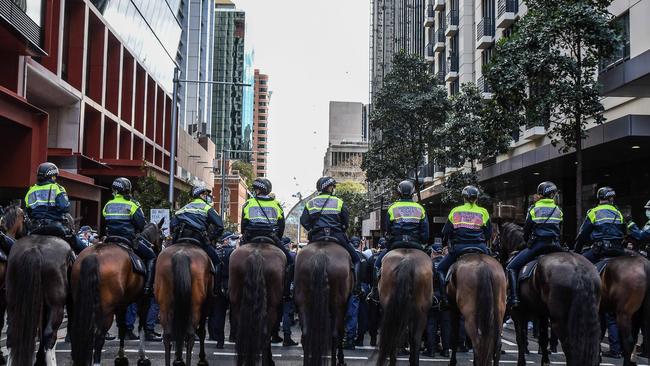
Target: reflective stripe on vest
{"points": [[468, 216], [544, 211], [44, 195], [406, 212], [198, 206], [328, 205], [605, 214], [119, 208]]}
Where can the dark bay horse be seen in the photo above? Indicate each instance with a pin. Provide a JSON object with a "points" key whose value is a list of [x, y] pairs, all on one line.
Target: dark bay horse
{"points": [[103, 286], [405, 293], [626, 294], [477, 288], [37, 292], [565, 288], [256, 281], [182, 286], [323, 282]]}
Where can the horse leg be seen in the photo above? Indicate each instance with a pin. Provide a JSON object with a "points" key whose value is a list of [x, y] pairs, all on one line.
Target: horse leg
{"points": [[167, 342], [543, 340], [189, 345], [201, 333], [3, 308], [52, 321], [624, 322], [340, 357], [178, 353], [143, 311], [455, 323], [120, 317], [521, 329]]}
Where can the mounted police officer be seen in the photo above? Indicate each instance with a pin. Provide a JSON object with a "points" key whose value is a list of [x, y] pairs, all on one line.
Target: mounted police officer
{"points": [[604, 226], [468, 227], [47, 205], [124, 221], [407, 227], [641, 234], [191, 224], [541, 233], [262, 216], [326, 216]]}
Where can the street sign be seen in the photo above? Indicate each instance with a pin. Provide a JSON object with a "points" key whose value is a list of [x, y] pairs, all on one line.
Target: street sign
{"points": [[159, 213]]}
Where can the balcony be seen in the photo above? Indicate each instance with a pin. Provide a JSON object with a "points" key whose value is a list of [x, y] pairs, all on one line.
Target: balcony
{"points": [[430, 16], [429, 53], [439, 41], [439, 5], [22, 25], [507, 12], [452, 68], [485, 33], [441, 74], [533, 133], [484, 88], [452, 23]]}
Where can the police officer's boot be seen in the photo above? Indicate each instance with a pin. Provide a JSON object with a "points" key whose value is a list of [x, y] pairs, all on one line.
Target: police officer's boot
{"points": [[373, 296], [148, 281], [513, 279], [440, 279]]}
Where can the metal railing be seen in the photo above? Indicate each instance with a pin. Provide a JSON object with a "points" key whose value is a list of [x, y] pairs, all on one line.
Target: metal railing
{"points": [[431, 13], [14, 13], [430, 52], [452, 18], [452, 63], [441, 74], [621, 54], [440, 35], [507, 6], [485, 28], [483, 85]]}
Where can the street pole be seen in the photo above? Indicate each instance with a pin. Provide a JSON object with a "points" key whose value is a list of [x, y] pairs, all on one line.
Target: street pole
{"points": [[172, 150], [223, 179]]}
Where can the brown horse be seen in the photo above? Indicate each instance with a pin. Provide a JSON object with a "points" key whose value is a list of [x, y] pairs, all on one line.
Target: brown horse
{"points": [[564, 288], [103, 286], [626, 293], [256, 279], [477, 287], [405, 293], [37, 291], [323, 282], [183, 285]]}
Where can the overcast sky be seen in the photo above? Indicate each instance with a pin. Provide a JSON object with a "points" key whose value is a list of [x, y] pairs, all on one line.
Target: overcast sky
{"points": [[314, 52]]}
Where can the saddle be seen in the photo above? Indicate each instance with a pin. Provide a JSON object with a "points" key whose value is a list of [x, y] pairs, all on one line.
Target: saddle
{"points": [[405, 242], [326, 238], [49, 228], [262, 240], [136, 263], [528, 270], [602, 265]]}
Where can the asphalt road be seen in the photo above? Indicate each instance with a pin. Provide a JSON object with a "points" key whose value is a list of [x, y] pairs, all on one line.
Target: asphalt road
{"points": [[292, 355]]}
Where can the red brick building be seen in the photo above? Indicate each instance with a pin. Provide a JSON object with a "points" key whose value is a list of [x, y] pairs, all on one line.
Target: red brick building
{"points": [[261, 124], [72, 92]]}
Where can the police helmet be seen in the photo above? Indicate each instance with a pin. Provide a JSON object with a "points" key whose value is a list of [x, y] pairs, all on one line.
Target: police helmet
{"points": [[605, 194], [647, 205], [406, 188], [46, 170], [325, 182], [547, 189], [121, 185], [198, 190], [263, 185], [470, 193]]}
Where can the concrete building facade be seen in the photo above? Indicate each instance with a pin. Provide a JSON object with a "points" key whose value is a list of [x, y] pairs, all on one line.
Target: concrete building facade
{"points": [[261, 124], [348, 142]]}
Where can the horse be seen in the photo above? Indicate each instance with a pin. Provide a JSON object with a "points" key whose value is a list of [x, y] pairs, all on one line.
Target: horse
{"points": [[256, 279], [182, 287], [37, 292], [323, 282], [103, 285], [405, 293], [565, 288], [626, 293], [477, 288]]}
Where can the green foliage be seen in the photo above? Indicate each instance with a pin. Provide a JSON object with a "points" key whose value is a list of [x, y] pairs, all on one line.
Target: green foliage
{"points": [[454, 185], [245, 170], [408, 111], [150, 195], [355, 197], [183, 198]]}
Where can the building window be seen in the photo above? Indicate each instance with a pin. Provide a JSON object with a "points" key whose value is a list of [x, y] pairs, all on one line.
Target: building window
{"points": [[262, 96], [263, 82], [263, 104], [261, 124], [261, 160], [262, 118], [454, 87], [264, 90], [262, 139], [262, 110], [262, 132], [261, 146], [622, 53]]}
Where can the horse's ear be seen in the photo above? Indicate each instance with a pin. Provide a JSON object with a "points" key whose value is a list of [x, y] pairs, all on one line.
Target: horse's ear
{"points": [[161, 222]]}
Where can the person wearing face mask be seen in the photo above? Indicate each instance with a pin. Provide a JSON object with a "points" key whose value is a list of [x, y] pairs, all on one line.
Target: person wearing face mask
{"points": [[641, 234]]}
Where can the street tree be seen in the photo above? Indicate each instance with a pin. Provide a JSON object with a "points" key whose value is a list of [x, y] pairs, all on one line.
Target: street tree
{"points": [[149, 194], [407, 115], [355, 196], [545, 73]]}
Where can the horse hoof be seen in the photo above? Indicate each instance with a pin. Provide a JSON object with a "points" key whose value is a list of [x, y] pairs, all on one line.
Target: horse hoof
{"points": [[121, 361], [178, 363], [203, 363], [144, 362]]}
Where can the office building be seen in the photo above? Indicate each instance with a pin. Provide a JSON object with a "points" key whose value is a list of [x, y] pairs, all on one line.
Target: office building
{"points": [[348, 142]]}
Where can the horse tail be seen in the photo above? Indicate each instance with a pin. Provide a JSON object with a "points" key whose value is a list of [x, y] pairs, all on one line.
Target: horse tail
{"points": [[583, 325], [318, 337], [86, 322], [182, 301], [487, 317], [25, 305], [252, 329], [399, 311]]}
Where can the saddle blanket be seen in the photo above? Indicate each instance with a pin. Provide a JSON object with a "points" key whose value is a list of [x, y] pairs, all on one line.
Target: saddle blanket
{"points": [[527, 271]]}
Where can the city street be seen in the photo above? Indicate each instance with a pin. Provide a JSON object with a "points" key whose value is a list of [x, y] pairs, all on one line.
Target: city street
{"points": [[292, 355]]}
